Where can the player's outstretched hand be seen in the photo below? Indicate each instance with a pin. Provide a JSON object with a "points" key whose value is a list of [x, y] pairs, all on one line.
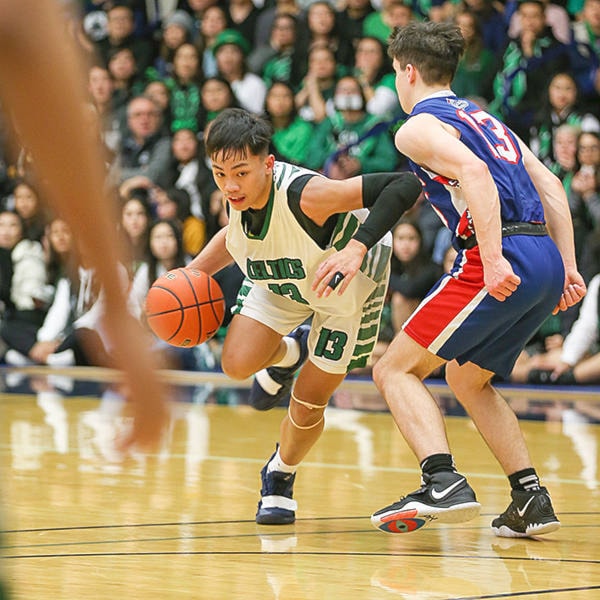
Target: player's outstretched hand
{"points": [[337, 271], [573, 291], [147, 395]]}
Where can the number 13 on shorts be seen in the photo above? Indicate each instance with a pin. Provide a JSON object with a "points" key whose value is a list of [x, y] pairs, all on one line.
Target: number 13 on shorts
{"points": [[331, 344]]}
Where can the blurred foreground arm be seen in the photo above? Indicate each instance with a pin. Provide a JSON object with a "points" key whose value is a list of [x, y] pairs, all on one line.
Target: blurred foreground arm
{"points": [[42, 87]]}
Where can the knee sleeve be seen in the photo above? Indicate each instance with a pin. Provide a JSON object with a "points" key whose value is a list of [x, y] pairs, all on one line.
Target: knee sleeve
{"points": [[311, 407]]}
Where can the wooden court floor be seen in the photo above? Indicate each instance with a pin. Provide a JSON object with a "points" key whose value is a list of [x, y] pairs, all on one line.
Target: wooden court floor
{"points": [[82, 521]]}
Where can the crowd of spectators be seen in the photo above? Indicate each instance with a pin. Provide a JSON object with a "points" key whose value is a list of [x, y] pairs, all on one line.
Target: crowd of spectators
{"points": [[160, 71]]}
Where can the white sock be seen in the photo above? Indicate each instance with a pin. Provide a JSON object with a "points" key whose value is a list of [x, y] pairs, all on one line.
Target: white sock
{"points": [[276, 464], [66, 358], [292, 353], [16, 359], [267, 383]]}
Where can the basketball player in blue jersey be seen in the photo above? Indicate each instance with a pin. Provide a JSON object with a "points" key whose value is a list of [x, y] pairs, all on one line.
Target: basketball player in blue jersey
{"points": [[510, 221], [297, 236]]}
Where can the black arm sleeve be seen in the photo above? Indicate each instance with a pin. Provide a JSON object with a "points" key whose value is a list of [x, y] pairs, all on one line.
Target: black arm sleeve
{"points": [[389, 196]]}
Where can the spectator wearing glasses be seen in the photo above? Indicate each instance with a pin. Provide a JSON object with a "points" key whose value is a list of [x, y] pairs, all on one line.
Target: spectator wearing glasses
{"points": [[145, 149]]}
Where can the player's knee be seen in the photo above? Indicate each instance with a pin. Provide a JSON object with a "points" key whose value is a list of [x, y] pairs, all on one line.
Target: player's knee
{"points": [[305, 415], [235, 367], [465, 385], [381, 370]]}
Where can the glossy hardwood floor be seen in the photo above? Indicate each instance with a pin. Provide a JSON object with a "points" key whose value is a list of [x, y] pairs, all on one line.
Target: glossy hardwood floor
{"points": [[83, 522]]}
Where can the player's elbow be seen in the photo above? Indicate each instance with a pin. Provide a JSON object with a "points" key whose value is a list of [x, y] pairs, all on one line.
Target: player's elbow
{"points": [[474, 169]]}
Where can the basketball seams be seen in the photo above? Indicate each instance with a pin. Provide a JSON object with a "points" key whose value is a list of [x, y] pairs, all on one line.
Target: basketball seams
{"points": [[218, 318], [197, 306], [180, 310]]}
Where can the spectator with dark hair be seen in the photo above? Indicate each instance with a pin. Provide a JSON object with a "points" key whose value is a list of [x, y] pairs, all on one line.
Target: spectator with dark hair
{"points": [[184, 88], [177, 29], [413, 272], [322, 30], [493, 26], [164, 252], [584, 195], [159, 93], [585, 52], [25, 275], [101, 88], [559, 106], [217, 95], [214, 21], [188, 171], [291, 134], [62, 339], [528, 64], [281, 59], [557, 18], [351, 18], [231, 49], [120, 28], [477, 67], [373, 69], [134, 224], [125, 75], [174, 204], [198, 9], [30, 208], [264, 23], [318, 84], [11, 232], [243, 15]]}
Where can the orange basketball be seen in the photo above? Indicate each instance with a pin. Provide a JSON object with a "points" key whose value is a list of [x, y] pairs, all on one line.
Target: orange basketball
{"points": [[185, 307]]}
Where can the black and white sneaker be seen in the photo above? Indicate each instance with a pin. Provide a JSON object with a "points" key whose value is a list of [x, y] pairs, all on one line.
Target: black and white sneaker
{"points": [[276, 505], [445, 497], [529, 513], [259, 398]]}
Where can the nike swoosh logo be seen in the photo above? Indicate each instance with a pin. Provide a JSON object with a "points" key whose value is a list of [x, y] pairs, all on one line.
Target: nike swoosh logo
{"points": [[522, 511], [442, 494]]}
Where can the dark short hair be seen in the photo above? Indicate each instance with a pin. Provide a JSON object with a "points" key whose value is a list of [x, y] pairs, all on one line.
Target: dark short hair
{"points": [[236, 132], [433, 48]]}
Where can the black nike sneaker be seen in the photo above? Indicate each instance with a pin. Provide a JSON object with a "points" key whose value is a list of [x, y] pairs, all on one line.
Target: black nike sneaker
{"points": [[445, 497], [529, 513]]}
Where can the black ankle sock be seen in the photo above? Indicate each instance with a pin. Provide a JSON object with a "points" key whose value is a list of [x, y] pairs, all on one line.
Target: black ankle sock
{"points": [[525, 480], [437, 463]]}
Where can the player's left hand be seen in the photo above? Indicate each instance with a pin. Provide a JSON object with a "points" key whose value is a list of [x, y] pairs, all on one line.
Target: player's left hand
{"points": [[338, 270]]}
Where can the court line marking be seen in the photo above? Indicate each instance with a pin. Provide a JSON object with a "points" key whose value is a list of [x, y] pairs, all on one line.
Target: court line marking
{"points": [[296, 534], [528, 593], [252, 521], [432, 555], [320, 465]]}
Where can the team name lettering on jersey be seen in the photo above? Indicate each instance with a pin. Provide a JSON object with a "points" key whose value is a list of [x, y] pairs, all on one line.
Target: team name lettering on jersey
{"points": [[281, 268]]}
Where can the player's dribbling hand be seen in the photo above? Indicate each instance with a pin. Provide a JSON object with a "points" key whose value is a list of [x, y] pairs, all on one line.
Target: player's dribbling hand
{"points": [[338, 270]]}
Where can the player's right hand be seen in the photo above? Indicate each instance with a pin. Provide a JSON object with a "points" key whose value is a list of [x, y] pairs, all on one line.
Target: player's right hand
{"points": [[574, 290]]}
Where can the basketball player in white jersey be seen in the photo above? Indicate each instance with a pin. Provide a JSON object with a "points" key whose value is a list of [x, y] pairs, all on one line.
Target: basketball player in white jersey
{"points": [[297, 236]]}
